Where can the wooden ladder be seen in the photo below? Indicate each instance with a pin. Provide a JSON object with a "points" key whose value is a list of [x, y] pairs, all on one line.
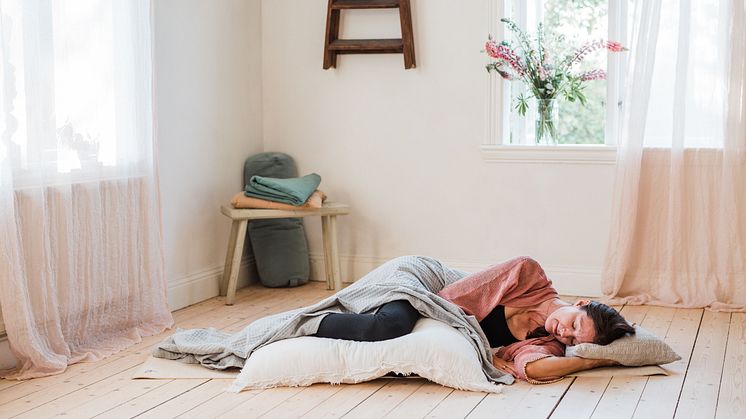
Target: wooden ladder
{"points": [[334, 46]]}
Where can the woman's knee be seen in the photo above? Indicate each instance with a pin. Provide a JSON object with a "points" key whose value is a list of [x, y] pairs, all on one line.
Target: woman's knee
{"points": [[384, 328], [392, 320], [395, 320]]}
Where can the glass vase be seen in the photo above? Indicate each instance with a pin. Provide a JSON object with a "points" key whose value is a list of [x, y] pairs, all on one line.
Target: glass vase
{"points": [[546, 121]]}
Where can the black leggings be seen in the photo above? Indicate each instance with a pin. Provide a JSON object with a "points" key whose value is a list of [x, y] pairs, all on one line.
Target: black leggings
{"points": [[393, 319]]}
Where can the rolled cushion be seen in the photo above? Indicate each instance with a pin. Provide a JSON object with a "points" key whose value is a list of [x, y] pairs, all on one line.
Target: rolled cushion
{"points": [[269, 164], [279, 246], [433, 350], [281, 252], [642, 348]]}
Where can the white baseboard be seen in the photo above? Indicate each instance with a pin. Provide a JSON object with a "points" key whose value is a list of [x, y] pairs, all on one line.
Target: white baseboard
{"points": [[202, 285], [568, 280]]}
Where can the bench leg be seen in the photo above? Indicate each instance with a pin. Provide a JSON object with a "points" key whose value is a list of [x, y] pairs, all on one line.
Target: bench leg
{"points": [[334, 252], [327, 252], [233, 260]]}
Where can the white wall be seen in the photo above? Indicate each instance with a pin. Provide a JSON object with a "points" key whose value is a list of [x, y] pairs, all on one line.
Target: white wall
{"points": [[402, 147], [208, 108]]}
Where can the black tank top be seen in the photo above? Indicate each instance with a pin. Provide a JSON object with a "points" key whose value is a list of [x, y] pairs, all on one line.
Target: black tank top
{"points": [[495, 327]]}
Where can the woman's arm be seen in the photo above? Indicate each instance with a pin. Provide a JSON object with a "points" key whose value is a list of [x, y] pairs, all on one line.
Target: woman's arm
{"points": [[542, 361], [558, 366]]}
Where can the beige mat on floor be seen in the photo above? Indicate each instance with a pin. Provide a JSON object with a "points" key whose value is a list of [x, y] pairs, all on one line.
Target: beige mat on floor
{"points": [[621, 371], [166, 368]]}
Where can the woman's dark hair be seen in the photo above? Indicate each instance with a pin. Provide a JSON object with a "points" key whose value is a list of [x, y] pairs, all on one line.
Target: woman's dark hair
{"points": [[609, 324]]}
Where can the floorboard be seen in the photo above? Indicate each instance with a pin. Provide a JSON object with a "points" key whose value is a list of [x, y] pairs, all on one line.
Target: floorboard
{"points": [[303, 402], [623, 393], [186, 401], [582, 398], [345, 399], [421, 402], [135, 406], [501, 404], [458, 404], [700, 391], [261, 403], [732, 397], [388, 397], [661, 393]]}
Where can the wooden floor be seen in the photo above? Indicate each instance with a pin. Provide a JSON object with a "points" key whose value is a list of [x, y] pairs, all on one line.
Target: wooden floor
{"points": [[707, 382]]}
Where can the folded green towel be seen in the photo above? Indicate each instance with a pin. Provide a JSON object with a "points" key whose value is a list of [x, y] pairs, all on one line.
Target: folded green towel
{"points": [[293, 191]]}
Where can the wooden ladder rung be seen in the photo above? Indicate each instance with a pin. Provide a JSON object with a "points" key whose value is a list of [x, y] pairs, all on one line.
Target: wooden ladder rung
{"points": [[365, 4], [367, 46]]}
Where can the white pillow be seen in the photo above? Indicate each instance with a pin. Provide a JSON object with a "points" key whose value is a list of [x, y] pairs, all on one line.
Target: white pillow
{"points": [[642, 348], [433, 350]]}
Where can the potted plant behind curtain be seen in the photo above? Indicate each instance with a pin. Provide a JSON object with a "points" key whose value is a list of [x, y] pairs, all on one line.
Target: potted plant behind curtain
{"points": [[547, 67]]}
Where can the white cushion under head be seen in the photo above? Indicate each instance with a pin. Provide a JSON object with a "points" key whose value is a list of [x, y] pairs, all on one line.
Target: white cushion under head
{"points": [[433, 350], [642, 348]]}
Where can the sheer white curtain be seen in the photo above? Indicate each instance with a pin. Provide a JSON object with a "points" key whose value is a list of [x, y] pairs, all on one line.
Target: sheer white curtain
{"points": [[81, 269], [678, 234]]}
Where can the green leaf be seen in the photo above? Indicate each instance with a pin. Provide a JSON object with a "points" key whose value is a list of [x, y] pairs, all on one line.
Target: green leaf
{"points": [[522, 105]]}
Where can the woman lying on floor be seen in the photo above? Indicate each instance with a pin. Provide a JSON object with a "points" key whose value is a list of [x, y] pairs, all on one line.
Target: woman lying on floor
{"points": [[520, 314], [511, 305]]}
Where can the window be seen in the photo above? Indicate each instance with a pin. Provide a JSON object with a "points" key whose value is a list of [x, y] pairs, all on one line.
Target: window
{"points": [[689, 80], [76, 95], [579, 21]]}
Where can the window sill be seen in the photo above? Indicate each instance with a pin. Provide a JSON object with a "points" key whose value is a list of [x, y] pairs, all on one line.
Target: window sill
{"points": [[558, 154]]}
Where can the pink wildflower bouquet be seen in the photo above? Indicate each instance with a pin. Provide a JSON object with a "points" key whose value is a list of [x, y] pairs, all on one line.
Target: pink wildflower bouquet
{"points": [[547, 76]]}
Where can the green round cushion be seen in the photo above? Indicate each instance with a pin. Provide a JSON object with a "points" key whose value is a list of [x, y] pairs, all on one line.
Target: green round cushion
{"points": [[279, 246]]}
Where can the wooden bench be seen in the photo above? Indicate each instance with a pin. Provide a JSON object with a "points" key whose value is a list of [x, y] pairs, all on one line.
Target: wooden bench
{"points": [[241, 217]]}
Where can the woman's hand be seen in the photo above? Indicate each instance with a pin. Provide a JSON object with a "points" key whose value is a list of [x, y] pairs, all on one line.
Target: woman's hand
{"points": [[605, 363], [503, 365]]}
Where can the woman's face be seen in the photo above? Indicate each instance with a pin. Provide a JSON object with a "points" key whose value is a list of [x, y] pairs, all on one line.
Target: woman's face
{"points": [[571, 325]]}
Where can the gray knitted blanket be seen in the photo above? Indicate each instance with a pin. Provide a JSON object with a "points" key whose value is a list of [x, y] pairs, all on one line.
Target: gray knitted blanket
{"points": [[416, 279]]}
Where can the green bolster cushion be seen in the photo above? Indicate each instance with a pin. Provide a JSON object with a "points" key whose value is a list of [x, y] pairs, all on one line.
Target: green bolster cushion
{"points": [[279, 246]]}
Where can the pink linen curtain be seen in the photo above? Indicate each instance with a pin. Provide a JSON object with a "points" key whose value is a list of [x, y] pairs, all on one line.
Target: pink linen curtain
{"points": [[81, 258], [678, 235]]}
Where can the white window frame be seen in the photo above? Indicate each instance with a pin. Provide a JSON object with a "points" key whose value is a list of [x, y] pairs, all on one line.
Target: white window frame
{"points": [[497, 146]]}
